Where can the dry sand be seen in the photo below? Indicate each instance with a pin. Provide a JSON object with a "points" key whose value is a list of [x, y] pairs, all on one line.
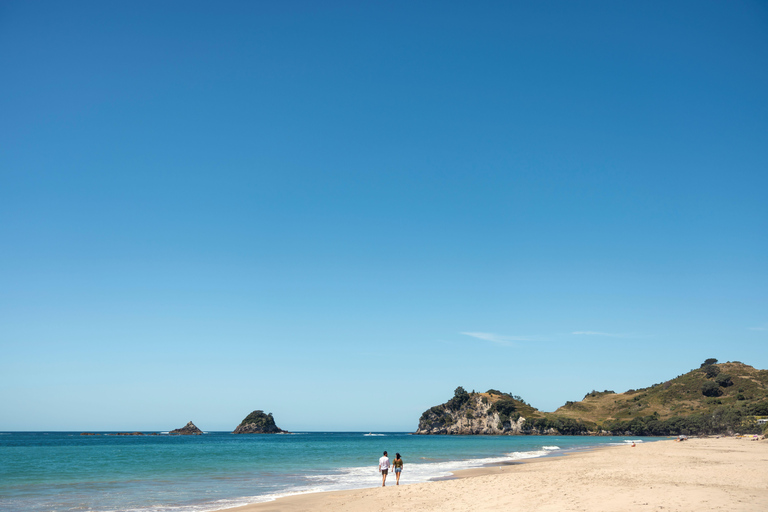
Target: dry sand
{"points": [[696, 475]]}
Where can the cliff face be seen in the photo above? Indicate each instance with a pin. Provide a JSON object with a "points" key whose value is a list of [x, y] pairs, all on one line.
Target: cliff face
{"points": [[476, 414], [258, 423]]}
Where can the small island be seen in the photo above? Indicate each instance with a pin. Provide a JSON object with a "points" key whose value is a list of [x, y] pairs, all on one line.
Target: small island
{"points": [[258, 423], [187, 430]]}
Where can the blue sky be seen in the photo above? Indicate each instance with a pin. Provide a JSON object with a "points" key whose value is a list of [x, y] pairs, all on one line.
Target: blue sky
{"points": [[340, 211]]}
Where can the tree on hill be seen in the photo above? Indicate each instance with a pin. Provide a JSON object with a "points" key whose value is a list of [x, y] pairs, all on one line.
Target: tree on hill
{"points": [[708, 362], [710, 388], [460, 397], [711, 371], [724, 380]]}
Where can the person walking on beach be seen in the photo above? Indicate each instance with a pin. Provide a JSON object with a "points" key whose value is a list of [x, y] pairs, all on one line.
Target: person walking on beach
{"points": [[384, 468], [398, 465]]}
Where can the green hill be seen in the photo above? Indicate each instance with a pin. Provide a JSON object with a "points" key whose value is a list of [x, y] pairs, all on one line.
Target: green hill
{"points": [[713, 399]]}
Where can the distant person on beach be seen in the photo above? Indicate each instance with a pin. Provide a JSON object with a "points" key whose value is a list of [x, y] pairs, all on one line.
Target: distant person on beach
{"points": [[398, 465], [384, 468]]}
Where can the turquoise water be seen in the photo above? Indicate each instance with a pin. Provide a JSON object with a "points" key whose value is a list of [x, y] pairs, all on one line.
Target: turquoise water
{"points": [[59, 471]]}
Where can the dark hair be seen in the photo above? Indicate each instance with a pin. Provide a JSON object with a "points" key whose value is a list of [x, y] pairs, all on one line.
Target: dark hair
{"points": [[385, 452], [397, 455]]}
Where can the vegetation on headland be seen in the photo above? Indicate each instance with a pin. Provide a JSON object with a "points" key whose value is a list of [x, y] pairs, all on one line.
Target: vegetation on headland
{"points": [[494, 412], [712, 399]]}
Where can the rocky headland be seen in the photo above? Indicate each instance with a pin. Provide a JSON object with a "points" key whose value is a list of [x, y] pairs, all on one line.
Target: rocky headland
{"points": [[491, 413], [723, 398], [258, 423]]}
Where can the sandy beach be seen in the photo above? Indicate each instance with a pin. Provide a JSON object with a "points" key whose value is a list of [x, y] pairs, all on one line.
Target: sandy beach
{"points": [[695, 475]]}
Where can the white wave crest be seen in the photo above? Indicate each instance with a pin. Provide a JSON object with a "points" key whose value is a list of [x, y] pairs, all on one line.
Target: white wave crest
{"points": [[352, 478], [528, 455], [550, 448]]}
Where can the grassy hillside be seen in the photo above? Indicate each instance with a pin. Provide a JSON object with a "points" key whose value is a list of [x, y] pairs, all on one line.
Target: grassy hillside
{"points": [[733, 383], [711, 399]]}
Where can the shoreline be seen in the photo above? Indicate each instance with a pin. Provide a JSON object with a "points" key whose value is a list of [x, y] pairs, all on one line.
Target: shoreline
{"points": [[698, 474], [487, 469], [455, 474]]}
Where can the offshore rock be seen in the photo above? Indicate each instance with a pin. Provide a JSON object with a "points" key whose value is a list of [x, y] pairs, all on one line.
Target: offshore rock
{"points": [[187, 430], [258, 423]]}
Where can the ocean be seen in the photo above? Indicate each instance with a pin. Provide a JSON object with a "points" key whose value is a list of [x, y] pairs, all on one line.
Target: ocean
{"points": [[64, 471]]}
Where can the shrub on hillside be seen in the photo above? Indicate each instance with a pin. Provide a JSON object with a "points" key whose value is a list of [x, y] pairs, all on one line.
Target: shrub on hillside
{"points": [[710, 388], [723, 419], [724, 380], [507, 409], [712, 371], [564, 426], [758, 409], [595, 393]]}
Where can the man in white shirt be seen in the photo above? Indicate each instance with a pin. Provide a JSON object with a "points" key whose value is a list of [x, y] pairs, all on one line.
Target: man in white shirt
{"points": [[384, 468]]}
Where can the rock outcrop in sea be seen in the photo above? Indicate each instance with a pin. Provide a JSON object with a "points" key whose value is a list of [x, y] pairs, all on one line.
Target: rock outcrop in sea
{"points": [[258, 423], [187, 430]]}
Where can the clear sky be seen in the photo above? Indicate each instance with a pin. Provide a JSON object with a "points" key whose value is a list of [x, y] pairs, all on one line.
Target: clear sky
{"points": [[338, 212]]}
